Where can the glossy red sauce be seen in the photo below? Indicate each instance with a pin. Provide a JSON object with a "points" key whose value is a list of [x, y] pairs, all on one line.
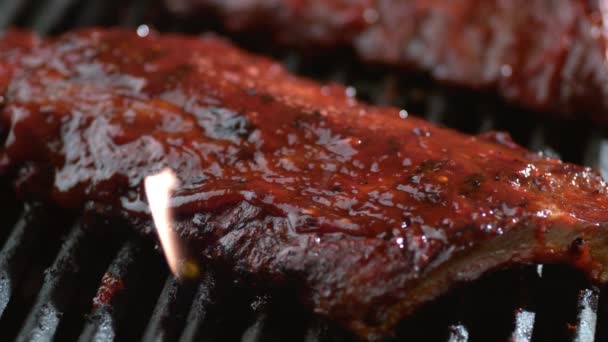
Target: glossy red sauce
{"points": [[541, 54], [361, 200], [111, 286], [104, 109]]}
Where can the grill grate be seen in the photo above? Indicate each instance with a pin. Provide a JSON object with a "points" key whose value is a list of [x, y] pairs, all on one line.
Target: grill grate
{"points": [[55, 297], [166, 322], [124, 291]]}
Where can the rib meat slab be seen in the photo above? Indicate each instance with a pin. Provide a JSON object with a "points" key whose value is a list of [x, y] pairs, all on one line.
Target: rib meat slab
{"points": [[541, 54], [367, 211]]}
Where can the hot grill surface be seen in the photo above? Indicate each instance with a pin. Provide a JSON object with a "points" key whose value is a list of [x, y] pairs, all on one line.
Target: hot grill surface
{"points": [[61, 279]]}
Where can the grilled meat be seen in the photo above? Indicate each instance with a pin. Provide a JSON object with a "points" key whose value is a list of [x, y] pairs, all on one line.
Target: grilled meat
{"points": [[540, 54], [367, 211]]}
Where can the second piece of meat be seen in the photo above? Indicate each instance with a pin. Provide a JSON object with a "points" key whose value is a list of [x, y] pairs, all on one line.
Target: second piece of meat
{"points": [[545, 55]]}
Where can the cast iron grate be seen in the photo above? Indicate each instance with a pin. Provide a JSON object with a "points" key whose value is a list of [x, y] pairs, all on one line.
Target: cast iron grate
{"points": [[62, 279]]}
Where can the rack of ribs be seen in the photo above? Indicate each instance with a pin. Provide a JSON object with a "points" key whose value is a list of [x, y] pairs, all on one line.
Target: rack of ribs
{"points": [[539, 54], [367, 211]]}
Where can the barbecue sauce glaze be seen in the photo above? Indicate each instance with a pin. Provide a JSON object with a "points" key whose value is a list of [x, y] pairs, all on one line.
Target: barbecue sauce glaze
{"points": [[541, 54], [280, 177]]}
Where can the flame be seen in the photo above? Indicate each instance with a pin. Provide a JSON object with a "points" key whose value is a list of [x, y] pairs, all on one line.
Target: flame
{"points": [[158, 190]]}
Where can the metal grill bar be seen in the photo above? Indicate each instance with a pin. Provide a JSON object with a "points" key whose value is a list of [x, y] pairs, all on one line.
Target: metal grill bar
{"points": [[9, 11], [487, 123], [255, 332], [587, 315], [199, 309], [18, 250], [102, 324], [50, 14], [524, 325], [525, 314], [166, 321], [537, 139], [601, 326], [315, 332], [596, 153], [54, 297], [458, 333]]}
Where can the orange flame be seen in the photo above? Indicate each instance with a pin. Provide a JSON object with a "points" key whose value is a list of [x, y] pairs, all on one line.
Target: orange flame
{"points": [[158, 190]]}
